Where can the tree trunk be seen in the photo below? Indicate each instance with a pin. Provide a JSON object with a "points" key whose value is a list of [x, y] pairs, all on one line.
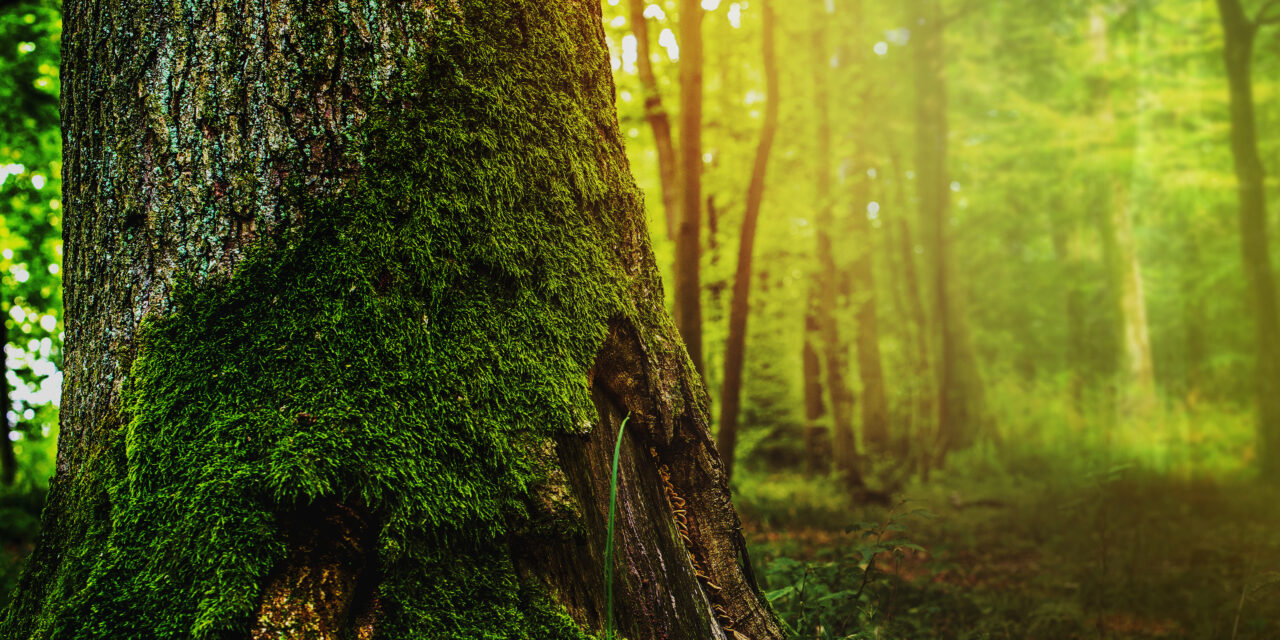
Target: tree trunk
{"points": [[658, 120], [739, 305], [1240, 32], [955, 428], [688, 294], [1136, 384], [817, 435], [923, 414], [1066, 252], [845, 446], [875, 407], [357, 298]]}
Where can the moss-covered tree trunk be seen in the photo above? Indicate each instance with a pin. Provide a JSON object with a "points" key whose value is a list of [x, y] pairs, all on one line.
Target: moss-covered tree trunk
{"points": [[358, 296]]}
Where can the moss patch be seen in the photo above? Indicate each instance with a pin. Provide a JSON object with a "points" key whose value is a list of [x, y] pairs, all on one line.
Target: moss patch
{"points": [[399, 351]]}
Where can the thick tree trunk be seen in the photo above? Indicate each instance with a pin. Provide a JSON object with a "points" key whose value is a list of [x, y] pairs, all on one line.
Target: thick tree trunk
{"points": [[659, 120], [357, 299], [1251, 178], [739, 305], [845, 445], [688, 268]]}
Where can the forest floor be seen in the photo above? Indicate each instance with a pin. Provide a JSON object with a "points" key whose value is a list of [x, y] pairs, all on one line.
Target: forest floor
{"points": [[980, 553]]}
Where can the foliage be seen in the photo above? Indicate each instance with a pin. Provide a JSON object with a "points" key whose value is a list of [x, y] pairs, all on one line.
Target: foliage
{"points": [[31, 229], [850, 595]]}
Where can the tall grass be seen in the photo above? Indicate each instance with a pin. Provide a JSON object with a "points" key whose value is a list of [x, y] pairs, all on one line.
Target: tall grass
{"points": [[608, 543]]}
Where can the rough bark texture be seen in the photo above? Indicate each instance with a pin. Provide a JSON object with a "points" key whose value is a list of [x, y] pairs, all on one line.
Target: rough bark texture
{"points": [[688, 268], [1240, 33], [658, 119], [844, 444], [356, 298], [740, 304]]}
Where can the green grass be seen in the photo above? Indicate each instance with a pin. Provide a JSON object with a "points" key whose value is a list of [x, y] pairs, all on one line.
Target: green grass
{"points": [[608, 542]]}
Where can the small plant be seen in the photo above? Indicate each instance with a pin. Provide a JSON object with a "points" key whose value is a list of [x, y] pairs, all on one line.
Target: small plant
{"points": [[837, 598], [608, 543]]}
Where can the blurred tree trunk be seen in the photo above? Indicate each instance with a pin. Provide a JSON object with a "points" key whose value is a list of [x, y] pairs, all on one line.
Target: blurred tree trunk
{"points": [[380, 333], [1240, 32], [957, 396], [845, 445], [1137, 383], [875, 407], [817, 435], [688, 276], [1066, 252], [740, 306], [923, 415], [659, 121]]}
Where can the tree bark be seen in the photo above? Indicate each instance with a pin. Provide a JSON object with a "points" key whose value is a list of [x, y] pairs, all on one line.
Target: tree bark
{"points": [[688, 267], [357, 298], [1240, 32], [740, 305], [658, 119], [845, 445]]}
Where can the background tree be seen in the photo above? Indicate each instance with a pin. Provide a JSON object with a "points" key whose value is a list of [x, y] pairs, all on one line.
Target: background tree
{"points": [[740, 305]]}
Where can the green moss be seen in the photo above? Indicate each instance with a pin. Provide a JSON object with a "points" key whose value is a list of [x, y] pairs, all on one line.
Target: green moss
{"points": [[407, 349]]}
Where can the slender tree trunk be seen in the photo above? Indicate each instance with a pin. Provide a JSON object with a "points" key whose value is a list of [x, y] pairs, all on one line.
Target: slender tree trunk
{"points": [[817, 435], [688, 294], [659, 121], [1240, 33], [1066, 252], [1136, 385], [739, 306], [875, 406], [955, 428], [922, 381], [845, 446], [349, 341]]}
